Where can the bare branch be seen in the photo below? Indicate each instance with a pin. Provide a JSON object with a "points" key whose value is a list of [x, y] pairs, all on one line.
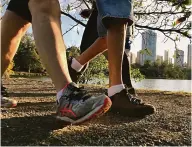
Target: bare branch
{"points": [[70, 29], [86, 4], [76, 20], [164, 30]]}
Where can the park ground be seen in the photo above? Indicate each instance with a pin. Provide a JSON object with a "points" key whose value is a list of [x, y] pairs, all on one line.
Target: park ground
{"points": [[32, 122]]}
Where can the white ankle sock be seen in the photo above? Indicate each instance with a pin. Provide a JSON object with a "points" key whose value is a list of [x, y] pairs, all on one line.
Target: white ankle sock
{"points": [[115, 89], [76, 65], [60, 93]]}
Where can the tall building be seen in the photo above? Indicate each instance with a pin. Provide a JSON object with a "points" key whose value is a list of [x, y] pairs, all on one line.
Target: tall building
{"points": [[166, 56], [149, 41], [189, 56], [132, 58], [179, 58], [140, 58], [170, 61], [160, 59]]}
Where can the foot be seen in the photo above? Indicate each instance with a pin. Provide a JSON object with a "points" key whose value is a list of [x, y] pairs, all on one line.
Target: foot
{"points": [[75, 76], [8, 103], [128, 105], [76, 106]]}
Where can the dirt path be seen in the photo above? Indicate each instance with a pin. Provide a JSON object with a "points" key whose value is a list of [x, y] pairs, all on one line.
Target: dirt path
{"points": [[33, 123]]}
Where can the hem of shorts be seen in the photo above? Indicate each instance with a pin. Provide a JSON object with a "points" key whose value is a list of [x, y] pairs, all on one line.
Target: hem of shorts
{"points": [[129, 18], [102, 36], [18, 14]]}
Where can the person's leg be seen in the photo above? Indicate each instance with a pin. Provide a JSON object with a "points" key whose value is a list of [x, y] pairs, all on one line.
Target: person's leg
{"points": [[46, 26], [91, 46], [126, 75], [74, 104], [115, 16], [126, 67], [78, 65], [99, 46], [90, 33], [116, 42], [13, 27]]}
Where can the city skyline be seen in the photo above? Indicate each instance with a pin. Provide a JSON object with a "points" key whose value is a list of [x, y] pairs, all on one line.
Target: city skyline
{"points": [[149, 42]]}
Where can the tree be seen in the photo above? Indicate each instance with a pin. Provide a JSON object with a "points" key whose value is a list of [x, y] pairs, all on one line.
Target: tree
{"points": [[26, 58], [96, 71], [72, 51], [136, 75], [147, 63]]}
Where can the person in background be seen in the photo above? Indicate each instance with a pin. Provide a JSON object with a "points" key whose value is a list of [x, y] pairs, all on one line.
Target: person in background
{"points": [[96, 41]]}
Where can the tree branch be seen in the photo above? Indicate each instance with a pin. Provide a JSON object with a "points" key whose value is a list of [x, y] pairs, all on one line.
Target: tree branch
{"points": [[76, 20], [165, 12], [86, 4], [164, 30], [70, 29]]}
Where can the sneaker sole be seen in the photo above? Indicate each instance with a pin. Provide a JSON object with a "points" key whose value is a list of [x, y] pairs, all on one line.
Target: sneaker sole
{"points": [[98, 111]]}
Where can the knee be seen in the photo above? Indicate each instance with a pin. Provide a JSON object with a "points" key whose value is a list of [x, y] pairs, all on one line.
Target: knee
{"points": [[49, 8]]}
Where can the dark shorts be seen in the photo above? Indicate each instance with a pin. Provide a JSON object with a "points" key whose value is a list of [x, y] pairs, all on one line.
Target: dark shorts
{"points": [[21, 8]]}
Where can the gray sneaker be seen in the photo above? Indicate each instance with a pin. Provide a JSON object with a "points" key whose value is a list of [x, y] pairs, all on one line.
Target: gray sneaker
{"points": [[76, 106]]}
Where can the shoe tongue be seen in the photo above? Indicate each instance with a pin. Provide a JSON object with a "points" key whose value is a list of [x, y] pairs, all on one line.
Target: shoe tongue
{"points": [[69, 89]]}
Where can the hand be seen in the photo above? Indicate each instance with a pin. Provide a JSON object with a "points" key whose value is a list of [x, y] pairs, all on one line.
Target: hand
{"points": [[85, 13]]}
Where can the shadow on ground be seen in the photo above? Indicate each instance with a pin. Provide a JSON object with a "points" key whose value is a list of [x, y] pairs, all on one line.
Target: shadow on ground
{"points": [[28, 94], [38, 130]]}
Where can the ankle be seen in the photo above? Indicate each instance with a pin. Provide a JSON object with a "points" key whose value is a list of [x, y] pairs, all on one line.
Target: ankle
{"points": [[115, 89], [60, 92], [76, 65]]}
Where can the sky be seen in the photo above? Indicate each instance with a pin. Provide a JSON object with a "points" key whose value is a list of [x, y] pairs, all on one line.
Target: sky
{"points": [[74, 38]]}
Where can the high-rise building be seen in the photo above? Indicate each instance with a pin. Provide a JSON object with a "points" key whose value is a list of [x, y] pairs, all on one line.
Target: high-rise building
{"points": [[140, 58], [166, 56], [179, 58], [160, 59], [149, 41], [170, 60], [132, 58], [189, 56]]}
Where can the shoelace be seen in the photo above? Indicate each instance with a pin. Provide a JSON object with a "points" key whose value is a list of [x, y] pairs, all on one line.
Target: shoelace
{"points": [[134, 100], [79, 94]]}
